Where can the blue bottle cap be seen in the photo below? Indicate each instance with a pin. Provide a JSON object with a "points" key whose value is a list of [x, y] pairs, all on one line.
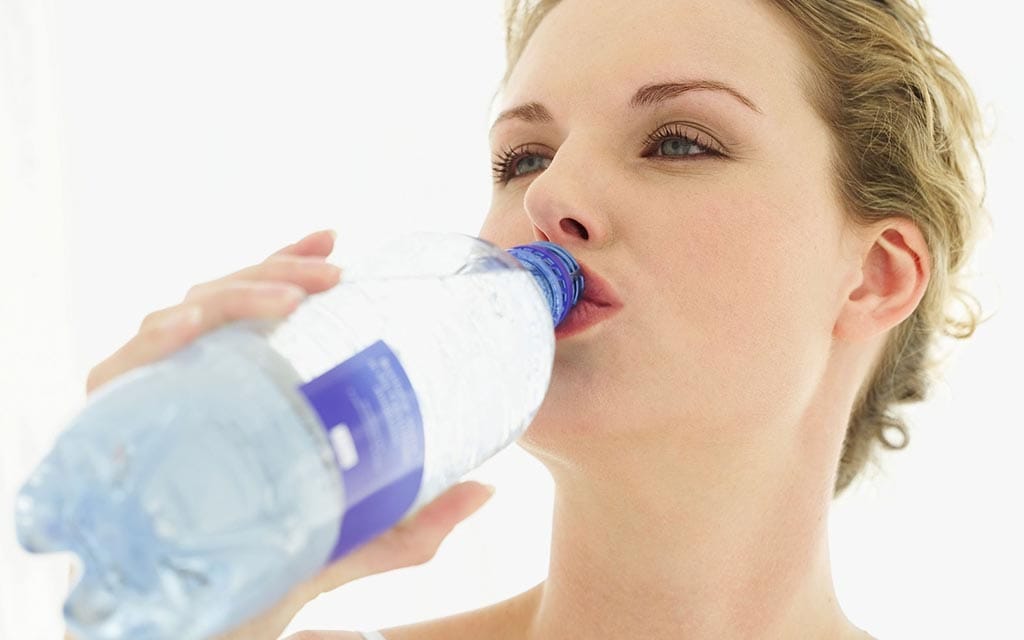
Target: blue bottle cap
{"points": [[556, 272]]}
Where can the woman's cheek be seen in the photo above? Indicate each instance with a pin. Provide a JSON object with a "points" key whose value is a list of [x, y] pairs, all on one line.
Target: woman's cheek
{"points": [[732, 307]]}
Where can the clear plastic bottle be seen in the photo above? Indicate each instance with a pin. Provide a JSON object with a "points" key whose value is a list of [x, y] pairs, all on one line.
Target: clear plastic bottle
{"points": [[198, 489]]}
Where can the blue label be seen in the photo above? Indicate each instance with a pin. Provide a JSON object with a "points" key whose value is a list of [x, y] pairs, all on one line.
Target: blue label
{"points": [[373, 421]]}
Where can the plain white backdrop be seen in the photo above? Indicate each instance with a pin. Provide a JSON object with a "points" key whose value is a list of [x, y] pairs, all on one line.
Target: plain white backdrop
{"points": [[148, 146]]}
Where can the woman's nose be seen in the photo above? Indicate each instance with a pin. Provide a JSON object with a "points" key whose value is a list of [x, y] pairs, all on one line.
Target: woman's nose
{"points": [[564, 203]]}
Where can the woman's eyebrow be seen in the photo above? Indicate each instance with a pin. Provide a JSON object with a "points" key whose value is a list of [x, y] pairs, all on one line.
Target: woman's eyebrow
{"points": [[645, 96], [651, 94], [529, 112]]}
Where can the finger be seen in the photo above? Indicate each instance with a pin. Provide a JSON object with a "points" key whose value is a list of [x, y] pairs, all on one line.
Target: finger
{"points": [[301, 263], [318, 243], [177, 326], [310, 273], [449, 509], [244, 299], [258, 297]]}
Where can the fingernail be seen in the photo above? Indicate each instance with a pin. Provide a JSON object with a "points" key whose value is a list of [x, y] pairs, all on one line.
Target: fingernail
{"points": [[490, 489], [334, 234]]}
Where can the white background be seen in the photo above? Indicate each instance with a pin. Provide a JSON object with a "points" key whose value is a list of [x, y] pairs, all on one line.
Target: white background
{"points": [[147, 146]]}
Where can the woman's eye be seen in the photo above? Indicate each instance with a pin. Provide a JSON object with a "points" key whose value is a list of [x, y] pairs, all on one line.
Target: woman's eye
{"points": [[680, 147], [520, 161], [529, 164], [678, 141]]}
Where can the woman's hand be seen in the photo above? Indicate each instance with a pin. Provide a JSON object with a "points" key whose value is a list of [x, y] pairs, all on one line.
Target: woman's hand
{"points": [[409, 543], [273, 289]]}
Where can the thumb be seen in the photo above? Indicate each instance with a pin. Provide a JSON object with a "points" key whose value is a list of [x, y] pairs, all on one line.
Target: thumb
{"points": [[437, 519], [412, 541]]}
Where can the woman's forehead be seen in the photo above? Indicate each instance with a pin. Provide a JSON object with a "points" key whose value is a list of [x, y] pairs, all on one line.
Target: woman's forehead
{"points": [[607, 49]]}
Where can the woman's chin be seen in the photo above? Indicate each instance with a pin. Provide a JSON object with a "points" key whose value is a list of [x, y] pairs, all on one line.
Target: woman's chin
{"points": [[568, 434]]}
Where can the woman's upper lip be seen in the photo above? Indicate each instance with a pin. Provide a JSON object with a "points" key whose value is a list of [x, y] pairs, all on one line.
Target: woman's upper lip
{"points": [[597, 290]]}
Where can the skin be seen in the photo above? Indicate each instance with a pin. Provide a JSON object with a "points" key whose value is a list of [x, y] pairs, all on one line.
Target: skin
{"points": [[693, 437]]}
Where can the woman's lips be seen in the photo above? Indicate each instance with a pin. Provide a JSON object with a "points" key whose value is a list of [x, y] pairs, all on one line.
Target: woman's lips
{"points": [[599, 302], [583, 316]]}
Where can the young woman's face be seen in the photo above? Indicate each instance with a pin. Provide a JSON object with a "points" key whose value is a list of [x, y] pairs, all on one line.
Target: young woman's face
{"points": [[671, 147]]}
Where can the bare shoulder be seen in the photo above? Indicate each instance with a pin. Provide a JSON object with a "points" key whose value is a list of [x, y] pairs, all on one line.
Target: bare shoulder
{"points": [[506, 620], [325, 635]]}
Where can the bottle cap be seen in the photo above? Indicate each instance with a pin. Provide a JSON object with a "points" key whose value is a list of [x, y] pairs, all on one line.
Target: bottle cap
{"points": [[556, 272]]}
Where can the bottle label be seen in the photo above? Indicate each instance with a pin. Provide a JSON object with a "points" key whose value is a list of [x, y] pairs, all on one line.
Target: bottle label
{"points": [[372, 418]]}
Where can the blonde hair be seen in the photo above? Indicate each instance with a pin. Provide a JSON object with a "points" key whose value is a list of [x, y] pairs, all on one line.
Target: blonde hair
{"points": [[905, 126]]}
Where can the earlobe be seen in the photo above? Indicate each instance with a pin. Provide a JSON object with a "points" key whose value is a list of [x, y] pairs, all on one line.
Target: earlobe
{"points": [[894, 273]]}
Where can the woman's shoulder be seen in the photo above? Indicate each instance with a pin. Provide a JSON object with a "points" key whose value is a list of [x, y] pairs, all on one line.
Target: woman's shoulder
{"points": [[325, 635]]}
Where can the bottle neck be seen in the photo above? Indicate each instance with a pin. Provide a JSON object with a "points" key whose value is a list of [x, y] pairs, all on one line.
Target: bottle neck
{"points": [[557, 274]]}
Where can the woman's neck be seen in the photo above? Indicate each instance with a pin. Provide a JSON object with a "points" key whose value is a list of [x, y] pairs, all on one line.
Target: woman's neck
{"points": [[737, 548]]}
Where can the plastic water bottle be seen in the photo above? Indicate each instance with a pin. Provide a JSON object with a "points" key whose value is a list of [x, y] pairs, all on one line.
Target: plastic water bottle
{"points": [[199, 489]]}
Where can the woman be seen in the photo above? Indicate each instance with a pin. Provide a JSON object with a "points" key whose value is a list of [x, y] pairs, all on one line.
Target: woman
{"points": [[777, 196]]}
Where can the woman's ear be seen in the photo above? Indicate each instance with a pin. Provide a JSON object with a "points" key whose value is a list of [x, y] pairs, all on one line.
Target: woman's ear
{"points": [[892, 278]]}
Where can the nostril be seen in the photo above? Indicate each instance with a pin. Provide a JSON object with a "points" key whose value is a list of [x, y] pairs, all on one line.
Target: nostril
{"points": [[571, 226]]}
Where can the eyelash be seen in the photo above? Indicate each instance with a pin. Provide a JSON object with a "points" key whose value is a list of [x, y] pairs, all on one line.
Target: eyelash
{"points": [[505, 161]]}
